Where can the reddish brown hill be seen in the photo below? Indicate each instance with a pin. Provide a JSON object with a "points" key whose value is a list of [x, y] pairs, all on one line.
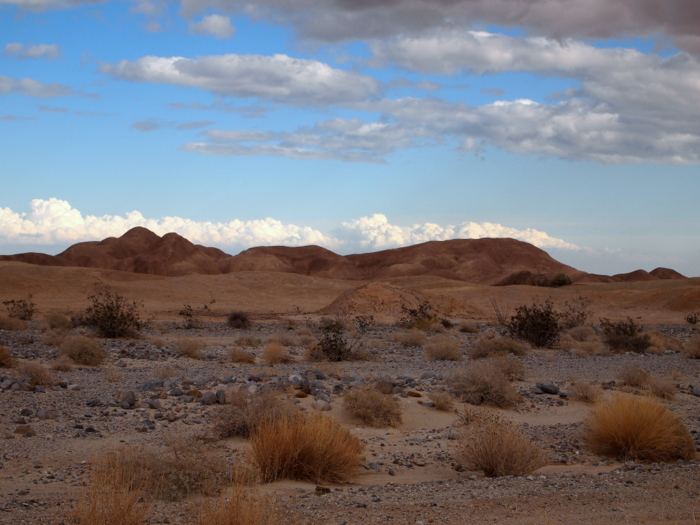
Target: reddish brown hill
{"points": [[635, 276], [667, 273]]}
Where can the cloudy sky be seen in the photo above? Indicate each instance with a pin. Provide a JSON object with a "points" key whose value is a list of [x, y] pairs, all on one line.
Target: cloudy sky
{"points": [[354, 124]]}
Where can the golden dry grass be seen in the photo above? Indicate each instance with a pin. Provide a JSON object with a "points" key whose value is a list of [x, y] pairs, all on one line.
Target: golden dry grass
{"points": [[248, 340], [496, 346], [238, 355], [496, 447], [586, 392], [469, 327], [36, 371], [113, 375], [239, 507], [638, 428], [634, 376], [483, 383], [275, 353], [63, 364], [510, 366], [6, 359], [443, 400], [410, 339], [373, 407], [244, 412], [84, 351], [55, 321], [443, 349], [12, 324], [191, 348], [692, 349], [55, 337], [305, 447], [661, 343], [582, 334], [661, 387], [285, 339]]}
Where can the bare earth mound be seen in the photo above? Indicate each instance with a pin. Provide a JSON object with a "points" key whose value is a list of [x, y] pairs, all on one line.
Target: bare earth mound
{"points": [[378, 299]]}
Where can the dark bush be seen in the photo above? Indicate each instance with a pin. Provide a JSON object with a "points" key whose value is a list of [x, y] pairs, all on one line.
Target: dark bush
{"points": [[537, 324], [421, 318], [189, 318], [575, 312], [335, 343], [22, 309], [624, 336], [110, 314], [238, 321], [693, 318]]}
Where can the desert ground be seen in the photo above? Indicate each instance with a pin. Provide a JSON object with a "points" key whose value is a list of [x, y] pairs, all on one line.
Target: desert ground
{"points": [[148, 393]]}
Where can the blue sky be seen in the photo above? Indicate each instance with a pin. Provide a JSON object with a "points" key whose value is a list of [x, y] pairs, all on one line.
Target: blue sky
{"points": [[355, 125]]}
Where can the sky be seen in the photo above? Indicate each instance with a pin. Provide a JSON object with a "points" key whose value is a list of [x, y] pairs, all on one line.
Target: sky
{"points": [[356, 125]]}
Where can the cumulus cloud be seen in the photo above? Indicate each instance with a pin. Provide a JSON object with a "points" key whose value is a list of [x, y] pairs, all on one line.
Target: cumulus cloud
{"points": [[33, 88], [278, 77], [339, 20], [218, 26], [55, 221], [43, 5], [47, 51]]}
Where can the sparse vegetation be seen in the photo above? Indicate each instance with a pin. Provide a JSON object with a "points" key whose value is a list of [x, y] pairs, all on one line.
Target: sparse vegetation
{"points": [[443, 400], [582, 334], [411, 338], [693, 317], [191, 348], [335, 343], [244, 413], [421, 318], [511, 367], [241, 356], [275, 353], [501, 310], [305, 447], [586, 392], [84, 351], [638, 428], [36, 371], [469, 327], [6, 359], [624, 336], [483, 383], [496, 447], [238, 321], [575, 312], [558, 280], [443, 349], [372, 407], [189, 317], [56, 321], [661, 387], [22, 309], [11, 324], [496, 346], [248, 340], [110, 314], [54, 337], [693, 348], [63, 364], [537, 324], [239, 507], [634, 376]]}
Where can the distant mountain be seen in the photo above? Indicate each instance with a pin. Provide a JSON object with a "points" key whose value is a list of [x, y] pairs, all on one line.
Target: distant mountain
{"points": [[480, 261]]}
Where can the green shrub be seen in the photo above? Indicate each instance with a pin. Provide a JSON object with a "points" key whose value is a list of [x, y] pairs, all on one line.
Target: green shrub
{"points": [[84, 351], [624, 336], [22, 309], [537, 324], [110, 314]]}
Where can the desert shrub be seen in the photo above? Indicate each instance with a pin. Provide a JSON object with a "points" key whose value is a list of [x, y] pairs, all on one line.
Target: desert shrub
{"points": [[305, 447], [54, 337], [241, 356], [511, 367], [190, 348], [443, 400], [56, 321], [84, 351], [537, 324], [113, 375], [286, 339], [661, 343], [238, 321], [421, 318], [496, 346], [558, 280], [239, 507], [22, 309], [110, 314], [661, 387], [634, 376], [501, 310], [443, 349], [63, 364], [624, 336], [586, 392], [334, 341], [11, 324], [35, 371], [248, 340], [189, 317], [411, 339], [638, 428], [575, 312], [274, 353], [6, 359], [692, 349], [164, 372], [589, 348], [438, 328], [244, 412], [483, 383], [496, 447], [372, 407], [582, 334], [693, 317], [469, 327]]}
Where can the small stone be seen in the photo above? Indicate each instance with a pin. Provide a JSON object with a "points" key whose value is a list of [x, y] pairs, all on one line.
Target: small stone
{"points": [[322, 406], [208, 398], [412, 393], [548, 388], [221, 396]]}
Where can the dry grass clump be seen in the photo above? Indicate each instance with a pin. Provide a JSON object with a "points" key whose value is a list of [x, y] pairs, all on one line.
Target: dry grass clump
{"points": [[274, 353], [163, 372], [496, 346], [661, 343], [239, 507], [113, 375], [496, 447], [36, 371], [6, 359], [469, 327], [410, 339], [63, 364], [692, 349], [483, 383], [634, 376], [438, 328], [443, 349], [661, 387], [56, 321], [190, 348], [511, 367], [54, 337], [305, 447], [586, 392], [249, 341], [241, 356], [373, 407], [638, 428], [443, 400], [589, 348], [84, 351], [12, 324], [582, 334], [244, 413], [286, 339]]}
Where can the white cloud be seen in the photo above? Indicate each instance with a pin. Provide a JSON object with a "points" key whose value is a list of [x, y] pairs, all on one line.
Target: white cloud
{"points": [[33, 88], [55, 221], [278, 77], [218, 26]]}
